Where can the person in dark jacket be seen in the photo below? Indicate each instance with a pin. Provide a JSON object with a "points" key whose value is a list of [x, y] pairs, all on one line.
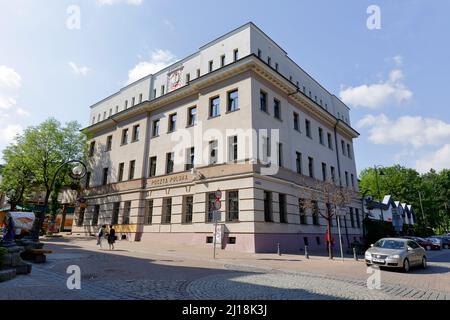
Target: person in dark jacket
{"points": [[111, 237]]}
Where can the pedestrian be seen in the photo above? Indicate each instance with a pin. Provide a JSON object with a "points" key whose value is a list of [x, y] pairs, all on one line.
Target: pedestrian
{"points": [[100, 235], [111, 237]]}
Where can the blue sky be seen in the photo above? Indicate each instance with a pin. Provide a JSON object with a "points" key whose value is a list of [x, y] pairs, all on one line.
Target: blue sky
{"points": [[395, 79]]}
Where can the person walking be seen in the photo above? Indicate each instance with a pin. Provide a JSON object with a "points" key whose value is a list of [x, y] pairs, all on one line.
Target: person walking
{"points": [[100, 235], [111, 237]]}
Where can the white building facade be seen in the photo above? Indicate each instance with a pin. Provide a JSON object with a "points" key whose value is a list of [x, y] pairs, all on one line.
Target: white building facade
{"points": [[237, 116]]}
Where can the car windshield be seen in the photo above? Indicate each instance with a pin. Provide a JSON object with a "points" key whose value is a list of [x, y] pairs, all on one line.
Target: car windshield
{"points": [[390, 244]]}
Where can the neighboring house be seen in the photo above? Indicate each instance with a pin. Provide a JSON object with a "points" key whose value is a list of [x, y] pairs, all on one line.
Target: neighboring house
{"points": [[391, 211]]}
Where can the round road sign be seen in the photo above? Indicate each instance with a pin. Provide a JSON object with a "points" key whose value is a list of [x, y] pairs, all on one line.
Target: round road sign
{"points": [[217, 204], [218, 194]]}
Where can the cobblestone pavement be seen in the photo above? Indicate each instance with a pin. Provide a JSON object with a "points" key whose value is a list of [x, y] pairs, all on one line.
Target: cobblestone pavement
{"points": [[125, 275]]}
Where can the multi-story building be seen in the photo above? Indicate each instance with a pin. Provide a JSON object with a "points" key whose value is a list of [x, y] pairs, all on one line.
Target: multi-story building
{"points": [[237, 116]]}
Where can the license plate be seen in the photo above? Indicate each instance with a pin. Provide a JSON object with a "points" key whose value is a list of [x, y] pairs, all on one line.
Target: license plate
{"points": [[379, 260]]}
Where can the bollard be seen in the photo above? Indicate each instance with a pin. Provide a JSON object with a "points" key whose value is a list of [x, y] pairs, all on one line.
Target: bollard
{"points": [[354, 254], [278, 249], [306, 252]]}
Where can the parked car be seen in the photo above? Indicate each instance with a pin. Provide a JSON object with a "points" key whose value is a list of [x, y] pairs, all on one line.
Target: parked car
{"points": [[396, 253], [424, 243], [445, 240]]}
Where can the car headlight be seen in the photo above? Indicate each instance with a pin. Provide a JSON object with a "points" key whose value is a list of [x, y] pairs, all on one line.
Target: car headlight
{"points": [[395, 256], [368, 255]]}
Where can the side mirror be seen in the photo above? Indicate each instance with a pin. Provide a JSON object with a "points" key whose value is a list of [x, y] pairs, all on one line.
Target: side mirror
{"points": [[410, 249]]}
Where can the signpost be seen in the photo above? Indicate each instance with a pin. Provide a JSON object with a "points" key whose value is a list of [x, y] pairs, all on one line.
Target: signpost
{"points": [[216, 217]]}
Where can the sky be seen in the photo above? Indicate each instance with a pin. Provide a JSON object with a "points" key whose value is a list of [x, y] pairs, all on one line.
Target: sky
{"points": [[390, 64]]}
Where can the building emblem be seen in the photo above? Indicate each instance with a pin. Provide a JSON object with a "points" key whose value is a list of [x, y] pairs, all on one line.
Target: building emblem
{"points": [[175, 81]]}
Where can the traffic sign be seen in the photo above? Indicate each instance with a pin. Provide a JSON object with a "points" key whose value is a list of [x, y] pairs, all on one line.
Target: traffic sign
{"points": [[216, 215], [218, 194], [217, 204]]}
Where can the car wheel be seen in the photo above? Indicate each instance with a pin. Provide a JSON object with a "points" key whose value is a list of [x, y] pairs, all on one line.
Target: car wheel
{"points": [[406, 266], [424, 263], [368, 264]]}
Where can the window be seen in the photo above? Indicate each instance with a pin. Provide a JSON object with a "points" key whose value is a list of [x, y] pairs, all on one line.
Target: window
{"points": [[98, 117], [318, 241], [304, 89], [330, 141], [282, 205], [124, 136], [198, 73], [263, 101], [296, 123], [315, 98], [188, 78], [290, 78], [115, 213], [140, 98], [259, 53], [352, 218], [232, 149], [321, 136], [105, 176], [131, 170], [133, 100], [315, 213], [163, 89], [192, 116], [154, 93], [276, 109], [269, 61], [190, 157], [169, 162], [222, 60], [88, 179], [346, 178], [324, 171], [276, 66], [211, 66], [310, 95], [236, 55], [266, 149], [308, 128], [104, 115], [126, 104], [152, 171], [305, 241], [352, 178], [268, 206], [333, 174], [233, 101], [213, 152], [93, 120], [232, 205], [95, 215], [136, 131], [214, 107], [166, 217], [110, 113], [92, 149], [358, 221], [126, 212], [148, 215], [298, 162], [349, 152], [172, 122], [343, 147], [188, 209], [211, 197], [302, 211], [120, 174], [155, 129], [311, 167], [109, 143], [280, 154], [117, 109]]}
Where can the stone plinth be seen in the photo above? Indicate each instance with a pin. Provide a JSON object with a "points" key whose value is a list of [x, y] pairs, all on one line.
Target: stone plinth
{"points": [[12, 260]]}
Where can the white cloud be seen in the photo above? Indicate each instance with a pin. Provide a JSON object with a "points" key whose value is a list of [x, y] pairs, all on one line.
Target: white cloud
{"points": [[78, 70], [9, 78], [159, 60], [8, 133], [22, 112], [112, 2], [398, 60], [438, 160], [406, 131], [391, 91], [6, 103]]}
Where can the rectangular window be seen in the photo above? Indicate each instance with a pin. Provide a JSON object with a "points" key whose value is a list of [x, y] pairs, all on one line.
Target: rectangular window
{"points": [[98, 118], [268, 206], [276, 66], [148, 216], [308, 128], [343, 147], [211, 66], [214, 107], [311, 167], [126, 104], [233, 206], [154, 93], [117, 109], [105, 176], [352, 178], [115, 213], [92, 149], [346, 179], [93, 120], [330, 141], [232, 149], [136, 131], [163, 89], [321, 136], [95, 215], [352, 218], [298, 162], [315, 213], [155, 129], [236, 55], [233, 101], [282, 205], [124, 136], [192, 116], [172, 122], [133, 100], [152, 169], [269, 61], [276, 109], [296, 122], [280, 154], [109, 143], [126, 213], [190, 157], [198, 73], [263, 101], [213, 152], [222, 61], [140, 98], [211, 199], [166, 217], [104, 115], [88, 180], [324, 171], [333, 174], [302, 211], [259, 53], [131, 170], [349, 151], [110, 113], [358, 221], [305, 241], [120, 173], [169, 162], [188, 209], [188, 78]]}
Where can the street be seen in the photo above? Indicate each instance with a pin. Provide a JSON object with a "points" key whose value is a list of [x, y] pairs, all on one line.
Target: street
{"points": [[137, 271]]}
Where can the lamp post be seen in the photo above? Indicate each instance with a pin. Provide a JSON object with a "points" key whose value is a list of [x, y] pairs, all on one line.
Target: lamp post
{"points": [[381, 173], [78, 172]]}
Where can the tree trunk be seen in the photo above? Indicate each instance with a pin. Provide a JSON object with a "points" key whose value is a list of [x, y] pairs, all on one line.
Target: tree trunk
{"points": [[41, 217], [330, 240]]}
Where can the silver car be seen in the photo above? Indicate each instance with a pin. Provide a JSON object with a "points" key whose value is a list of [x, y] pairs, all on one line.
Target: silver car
{"points": [[396, 253]]}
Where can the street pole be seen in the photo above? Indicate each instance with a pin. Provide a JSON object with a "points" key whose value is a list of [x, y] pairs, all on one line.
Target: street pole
{"points": [[421, 207], [340, 237], [214, 236], [379, 193]]}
